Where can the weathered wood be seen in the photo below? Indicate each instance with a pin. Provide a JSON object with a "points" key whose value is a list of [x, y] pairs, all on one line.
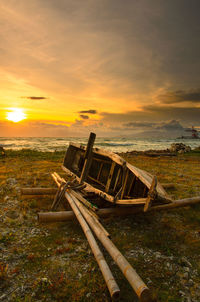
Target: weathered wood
{"points": [[100, 169], [117, 211], [152, 194], [38, 191], [90, 188], [116, 180], [124, 183], [96, 180], [86, 203], [92, 214], [106, 272], [133, 278], [110, 176], [133, 179], [88, 157], [55, 216], [131, 201]]}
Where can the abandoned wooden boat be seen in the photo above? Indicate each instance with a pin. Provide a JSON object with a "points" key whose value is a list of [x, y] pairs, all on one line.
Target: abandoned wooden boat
{"points": [[111, 177]]}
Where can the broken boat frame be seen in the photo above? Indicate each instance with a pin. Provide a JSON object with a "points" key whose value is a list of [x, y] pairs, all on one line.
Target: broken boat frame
{"points": [[120, 184]]}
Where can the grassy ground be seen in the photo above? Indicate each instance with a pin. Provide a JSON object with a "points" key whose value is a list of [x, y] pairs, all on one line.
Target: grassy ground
{"points": [[53, 262]]}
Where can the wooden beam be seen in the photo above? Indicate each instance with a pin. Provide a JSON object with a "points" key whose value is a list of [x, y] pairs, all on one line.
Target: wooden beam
{"points": [[88, 157], [99, 173], [38, 191], [110, 176], [117, 178], [117, 211], [152, 194], [131, 201], [124, 183]]}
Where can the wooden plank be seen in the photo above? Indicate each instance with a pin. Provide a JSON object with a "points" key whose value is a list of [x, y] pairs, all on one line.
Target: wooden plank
{"points": [[117, 178], [110, 176], [133, 180], [102, 160], [124, 184], [97, 181], [88, 157], [152, 194], [90, 188], [103, 152], [100, 169], [38, 191], [132, 201]]}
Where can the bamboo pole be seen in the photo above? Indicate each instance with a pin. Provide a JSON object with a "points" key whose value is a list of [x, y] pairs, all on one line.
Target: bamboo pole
{"points": [[94, 217], [55, 216], [117, 211], [38, 191], [107, 274], [135, 281]]}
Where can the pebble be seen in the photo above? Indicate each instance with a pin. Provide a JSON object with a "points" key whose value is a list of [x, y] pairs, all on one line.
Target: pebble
{"points": [[185, 275]]}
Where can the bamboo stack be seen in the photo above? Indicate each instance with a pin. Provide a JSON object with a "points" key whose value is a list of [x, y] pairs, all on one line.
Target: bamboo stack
{"points": [[106, 272], [81, 212]]}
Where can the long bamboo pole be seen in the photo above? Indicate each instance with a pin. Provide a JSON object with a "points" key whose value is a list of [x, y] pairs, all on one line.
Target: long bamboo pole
{"points": [[38, 191], [107, 274], [118, 211], [135, 281]]}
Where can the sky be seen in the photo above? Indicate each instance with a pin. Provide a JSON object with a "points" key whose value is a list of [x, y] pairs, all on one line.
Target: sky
{"points": [[114, 67]]}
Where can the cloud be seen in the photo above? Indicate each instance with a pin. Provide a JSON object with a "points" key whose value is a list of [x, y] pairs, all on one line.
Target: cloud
{"points": [[35, 97], [85, 117], [180, 96], [90, 111], [138, 125], [171, 125]]}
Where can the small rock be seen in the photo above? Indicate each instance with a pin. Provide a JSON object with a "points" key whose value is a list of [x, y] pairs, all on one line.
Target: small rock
{"points": [[186, 269], [157, 255], [185, 275], [190, 282]]}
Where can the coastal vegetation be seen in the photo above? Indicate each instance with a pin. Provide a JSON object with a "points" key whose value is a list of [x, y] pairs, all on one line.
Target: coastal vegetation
{"points": [[53, 262]]}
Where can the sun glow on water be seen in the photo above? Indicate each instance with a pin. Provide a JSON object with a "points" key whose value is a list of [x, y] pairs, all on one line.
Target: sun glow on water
{"points": [[16, 115]]}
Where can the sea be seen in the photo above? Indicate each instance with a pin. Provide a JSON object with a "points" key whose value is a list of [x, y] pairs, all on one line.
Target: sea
{"points": [[116, 144]]}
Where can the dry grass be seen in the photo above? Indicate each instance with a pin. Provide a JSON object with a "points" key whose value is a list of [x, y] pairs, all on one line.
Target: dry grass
{"points": [[54, 263]]}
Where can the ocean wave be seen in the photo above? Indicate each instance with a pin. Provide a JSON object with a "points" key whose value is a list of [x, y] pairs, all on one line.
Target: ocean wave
{"points": [[114, 144]]}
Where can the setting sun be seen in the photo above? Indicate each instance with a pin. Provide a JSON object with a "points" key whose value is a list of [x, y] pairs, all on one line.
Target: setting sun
{"points": [[16, 115]]}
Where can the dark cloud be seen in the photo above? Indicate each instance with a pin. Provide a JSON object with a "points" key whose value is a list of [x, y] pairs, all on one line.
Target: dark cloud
{"points": [[138, 124], [171, 125], [35, 97], [90, 111], [171, 97], [85, 117], [154, 114]]}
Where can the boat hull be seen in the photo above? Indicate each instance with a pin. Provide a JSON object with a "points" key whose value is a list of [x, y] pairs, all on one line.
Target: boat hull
{"points": [[112, 178]]}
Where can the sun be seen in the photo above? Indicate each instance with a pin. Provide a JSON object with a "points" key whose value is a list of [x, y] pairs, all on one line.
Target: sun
{"points": [[16, 115]]}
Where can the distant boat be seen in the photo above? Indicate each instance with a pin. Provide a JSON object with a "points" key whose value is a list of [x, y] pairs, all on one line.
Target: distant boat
{"points": [[195, 134]]}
